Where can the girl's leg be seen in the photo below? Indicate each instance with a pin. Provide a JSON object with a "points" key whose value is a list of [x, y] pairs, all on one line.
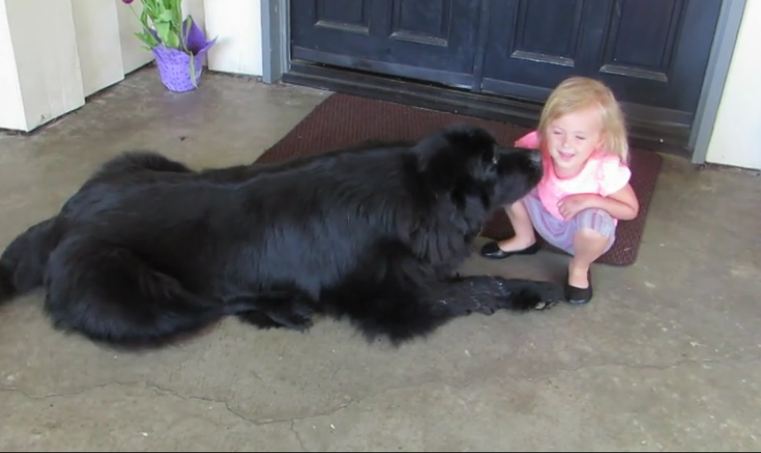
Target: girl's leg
{"points": [[524, 231], [594, 235], [589, 245]]}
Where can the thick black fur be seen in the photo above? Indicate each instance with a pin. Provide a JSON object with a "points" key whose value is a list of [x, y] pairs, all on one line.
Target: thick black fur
{"points": [[148, 249]]}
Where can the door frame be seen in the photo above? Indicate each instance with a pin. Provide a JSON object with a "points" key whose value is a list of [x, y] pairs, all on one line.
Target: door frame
{"points": [[717, 69], [276, 58], [276, 63]]}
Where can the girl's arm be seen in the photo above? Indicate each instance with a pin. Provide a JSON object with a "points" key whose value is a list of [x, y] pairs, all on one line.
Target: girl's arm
{"points": [[622, 205]]}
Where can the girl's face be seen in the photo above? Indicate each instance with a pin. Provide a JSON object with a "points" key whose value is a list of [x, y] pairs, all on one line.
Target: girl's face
{"points": [[572, 138]]}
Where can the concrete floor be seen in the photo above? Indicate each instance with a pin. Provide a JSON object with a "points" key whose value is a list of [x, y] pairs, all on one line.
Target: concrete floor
{"points": [[666, 357]]}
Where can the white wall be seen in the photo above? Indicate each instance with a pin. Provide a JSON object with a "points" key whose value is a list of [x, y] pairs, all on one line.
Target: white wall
{"points": [[237, 26], [134, 54], [47, 62], [736, 138], [11, 104], [195, 8], [97, 29]]}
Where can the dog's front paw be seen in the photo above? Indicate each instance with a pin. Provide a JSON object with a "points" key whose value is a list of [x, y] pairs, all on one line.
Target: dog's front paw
{"points": [[549, 294], [284, 320], [533, 295], [295, 321]]}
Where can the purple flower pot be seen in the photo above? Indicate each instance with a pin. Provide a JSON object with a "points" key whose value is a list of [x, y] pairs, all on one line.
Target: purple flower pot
{"points": [[175, 70]]}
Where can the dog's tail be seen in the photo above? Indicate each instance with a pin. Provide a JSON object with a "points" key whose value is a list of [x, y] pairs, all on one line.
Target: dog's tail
{"points": [[22, 265]]}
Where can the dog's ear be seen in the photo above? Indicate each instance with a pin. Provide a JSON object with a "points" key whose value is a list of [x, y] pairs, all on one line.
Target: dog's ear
{"points": [[455, 143], [469, 138], [428, 148], [442, 156]]}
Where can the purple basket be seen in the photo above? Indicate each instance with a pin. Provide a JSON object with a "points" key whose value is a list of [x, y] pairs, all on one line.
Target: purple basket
{"points": [[174, 68]]}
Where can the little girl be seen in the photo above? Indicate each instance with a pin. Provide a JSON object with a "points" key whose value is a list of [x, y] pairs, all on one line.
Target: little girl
{"points": [[585, 189]]}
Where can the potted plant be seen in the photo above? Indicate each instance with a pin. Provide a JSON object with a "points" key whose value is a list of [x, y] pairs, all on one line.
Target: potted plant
{"points": [[178, 45]]}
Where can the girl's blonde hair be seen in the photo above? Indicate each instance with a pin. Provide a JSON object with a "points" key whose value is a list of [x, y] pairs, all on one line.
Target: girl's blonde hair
{"points": [[576, 93]]}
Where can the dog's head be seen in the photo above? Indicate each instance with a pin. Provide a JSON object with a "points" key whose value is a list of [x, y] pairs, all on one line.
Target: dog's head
{"points": [[466, 162]]}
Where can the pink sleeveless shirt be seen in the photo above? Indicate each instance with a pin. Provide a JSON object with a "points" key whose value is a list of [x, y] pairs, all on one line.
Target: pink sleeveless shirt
{"points": [[603, 174]]}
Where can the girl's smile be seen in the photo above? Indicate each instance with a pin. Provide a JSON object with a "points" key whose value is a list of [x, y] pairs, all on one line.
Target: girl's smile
{"points": [[572, 138]]}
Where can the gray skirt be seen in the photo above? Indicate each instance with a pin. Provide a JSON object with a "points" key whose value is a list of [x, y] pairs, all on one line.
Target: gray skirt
{"points": [[560, 233]]}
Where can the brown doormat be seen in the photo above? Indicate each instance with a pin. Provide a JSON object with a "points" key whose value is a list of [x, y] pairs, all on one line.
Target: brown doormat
{"points": [[343, 120]]}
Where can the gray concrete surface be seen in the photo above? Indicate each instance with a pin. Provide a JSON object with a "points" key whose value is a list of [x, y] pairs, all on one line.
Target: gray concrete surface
{"points": [[666, 357]]}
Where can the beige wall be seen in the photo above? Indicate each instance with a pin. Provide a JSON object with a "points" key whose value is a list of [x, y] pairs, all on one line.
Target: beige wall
{"points": [[41, 34], [11, 103], [96, 26], [736, 138], [195, 8], [134, 55], [237, 26]]}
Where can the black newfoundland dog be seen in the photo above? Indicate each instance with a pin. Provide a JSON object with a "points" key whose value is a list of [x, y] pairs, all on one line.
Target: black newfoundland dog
{"points": [[148, 249]]}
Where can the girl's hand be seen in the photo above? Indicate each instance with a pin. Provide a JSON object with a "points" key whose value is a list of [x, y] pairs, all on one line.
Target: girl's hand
{"points": [[573, 204]]}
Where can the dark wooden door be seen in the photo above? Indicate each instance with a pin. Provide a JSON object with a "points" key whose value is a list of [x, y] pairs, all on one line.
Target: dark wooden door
{"points": [[429, 40], [652, 53]]}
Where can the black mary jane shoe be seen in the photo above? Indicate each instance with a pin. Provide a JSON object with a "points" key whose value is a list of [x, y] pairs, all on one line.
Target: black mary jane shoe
{"points": [[492, 250], [578, 296]]}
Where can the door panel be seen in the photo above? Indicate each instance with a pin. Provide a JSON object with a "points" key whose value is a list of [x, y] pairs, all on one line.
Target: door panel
{"points": [[638, 46], [344, 15], [534, 44], [421, 22], [430, 40], [530, 37]]}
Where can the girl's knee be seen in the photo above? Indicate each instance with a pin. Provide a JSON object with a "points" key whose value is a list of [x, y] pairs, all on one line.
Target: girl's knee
{"points": [[517, 205], [595, 223], [590, 235]]}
